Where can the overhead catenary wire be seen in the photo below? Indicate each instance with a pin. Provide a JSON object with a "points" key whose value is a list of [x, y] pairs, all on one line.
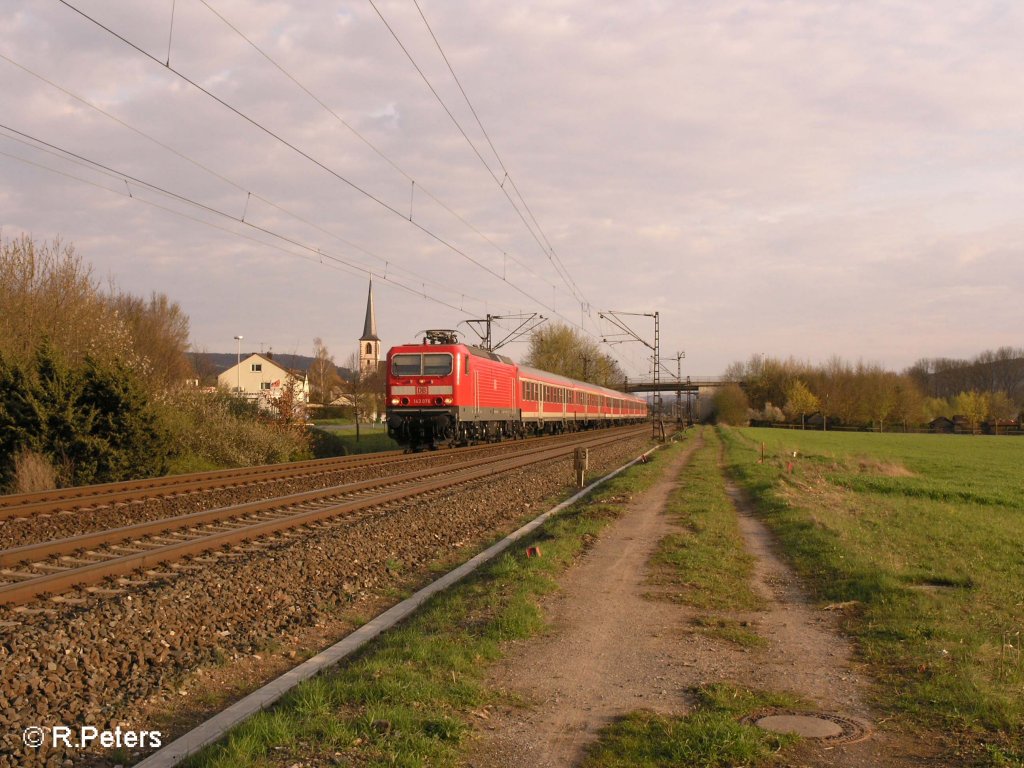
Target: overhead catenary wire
{"points": [[373, 147], [126, 178], [256, 124], [552, 255], [476, 151], [333, 262], [230, 182]]}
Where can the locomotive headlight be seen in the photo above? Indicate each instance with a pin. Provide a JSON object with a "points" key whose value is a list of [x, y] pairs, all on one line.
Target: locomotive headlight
{"points": [[448, 401], [394, 401]]}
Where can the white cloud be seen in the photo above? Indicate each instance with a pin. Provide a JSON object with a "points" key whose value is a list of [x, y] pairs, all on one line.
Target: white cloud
{"points": [[800, 178]]}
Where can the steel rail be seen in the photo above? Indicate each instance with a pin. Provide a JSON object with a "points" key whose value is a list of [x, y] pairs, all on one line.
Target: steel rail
{"points": [[46, 502], [52, 583], [18, 505], [40, 550]]}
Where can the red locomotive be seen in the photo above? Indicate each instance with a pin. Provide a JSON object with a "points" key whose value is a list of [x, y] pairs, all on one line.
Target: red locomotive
{"points": [[442, 390]]}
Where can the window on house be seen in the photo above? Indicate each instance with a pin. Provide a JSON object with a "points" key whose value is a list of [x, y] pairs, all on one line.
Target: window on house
{"points": [[264, 385], [257, 366]]}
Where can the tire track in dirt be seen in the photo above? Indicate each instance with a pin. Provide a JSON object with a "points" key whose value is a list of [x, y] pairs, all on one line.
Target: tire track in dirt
{"points": [[611, 650]]}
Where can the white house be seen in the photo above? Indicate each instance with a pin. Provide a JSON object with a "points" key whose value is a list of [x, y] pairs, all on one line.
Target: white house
{"points": [[260, 378]]}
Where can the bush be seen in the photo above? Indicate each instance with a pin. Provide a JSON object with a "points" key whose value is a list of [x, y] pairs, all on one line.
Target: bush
{"points": [[218, 430], [331, 412], [92, 423]]}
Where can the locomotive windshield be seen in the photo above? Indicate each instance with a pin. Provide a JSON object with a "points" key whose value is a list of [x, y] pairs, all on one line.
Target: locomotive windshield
{"points": [[406, 365], [437, 365], [433, 364]]}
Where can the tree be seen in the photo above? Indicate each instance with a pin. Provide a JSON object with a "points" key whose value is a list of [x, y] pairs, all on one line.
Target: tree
{"points": [[800, 400], [1001, 406], [364, 390], [159, 331], [731, 405], [323, 374], [974, 406], [909, 404], [877, 394], [557, 348], [48, 293], [288, 409], [766, 380]]}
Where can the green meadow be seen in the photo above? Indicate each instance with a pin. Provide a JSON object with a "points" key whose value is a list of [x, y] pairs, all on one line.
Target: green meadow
{"points": [[920, 540]]}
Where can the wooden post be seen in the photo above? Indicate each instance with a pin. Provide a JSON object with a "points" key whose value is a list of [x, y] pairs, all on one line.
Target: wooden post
{"points": [[580, 461]]}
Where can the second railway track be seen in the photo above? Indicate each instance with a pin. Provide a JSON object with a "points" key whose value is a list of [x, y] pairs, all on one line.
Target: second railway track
{"points": [[54, 567]]}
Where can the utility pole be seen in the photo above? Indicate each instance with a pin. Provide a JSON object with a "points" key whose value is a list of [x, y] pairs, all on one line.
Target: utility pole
{"points": [[679, 386], [238, 366], [628, 334], [526, 325]]}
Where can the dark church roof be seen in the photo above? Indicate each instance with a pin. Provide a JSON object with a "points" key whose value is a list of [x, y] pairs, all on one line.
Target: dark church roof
{"points": [[370, 324]]}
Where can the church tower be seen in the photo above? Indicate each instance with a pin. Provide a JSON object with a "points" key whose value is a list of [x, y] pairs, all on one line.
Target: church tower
{"points": [[369, 343]]}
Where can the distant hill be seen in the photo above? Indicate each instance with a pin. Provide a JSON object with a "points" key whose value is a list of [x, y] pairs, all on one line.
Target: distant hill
{"points": [[209, 365]]}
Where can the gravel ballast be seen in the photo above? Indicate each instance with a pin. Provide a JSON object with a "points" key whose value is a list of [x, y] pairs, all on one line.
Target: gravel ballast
{"points": [[95, 663]]}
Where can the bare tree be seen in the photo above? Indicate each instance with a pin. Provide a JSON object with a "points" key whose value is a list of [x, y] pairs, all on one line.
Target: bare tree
{"points": [[560, 349], [323, 374], [364, 389], [159, 329]]}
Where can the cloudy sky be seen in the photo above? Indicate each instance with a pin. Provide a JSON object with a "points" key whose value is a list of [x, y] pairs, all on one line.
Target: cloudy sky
{"points": [[800, 177]]}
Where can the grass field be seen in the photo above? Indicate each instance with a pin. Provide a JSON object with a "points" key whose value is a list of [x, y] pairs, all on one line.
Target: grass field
{"points": [[923, 535]]}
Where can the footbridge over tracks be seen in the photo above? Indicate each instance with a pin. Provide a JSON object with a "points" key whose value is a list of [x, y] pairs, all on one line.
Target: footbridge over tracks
{"points": [[688, 384]]}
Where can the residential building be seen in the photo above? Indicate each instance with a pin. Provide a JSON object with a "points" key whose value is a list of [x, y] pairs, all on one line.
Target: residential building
{"points": [[260, 377]]}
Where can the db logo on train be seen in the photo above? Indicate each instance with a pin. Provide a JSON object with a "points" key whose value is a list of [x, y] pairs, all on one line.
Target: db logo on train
{"points": [[421, 391]]}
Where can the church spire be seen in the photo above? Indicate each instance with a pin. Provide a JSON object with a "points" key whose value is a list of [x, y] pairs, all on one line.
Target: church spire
{"points": [[370, 324]]}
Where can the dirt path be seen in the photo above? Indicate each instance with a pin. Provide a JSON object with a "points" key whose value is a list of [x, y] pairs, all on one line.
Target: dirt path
{"points": [[611, 650]]}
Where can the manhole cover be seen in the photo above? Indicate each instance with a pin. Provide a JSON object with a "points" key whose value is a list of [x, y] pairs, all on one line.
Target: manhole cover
{"points": [[808, 726], [823, 726]]}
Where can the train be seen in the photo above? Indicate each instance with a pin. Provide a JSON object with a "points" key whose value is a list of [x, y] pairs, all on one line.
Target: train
{"points": [[444, 391]]}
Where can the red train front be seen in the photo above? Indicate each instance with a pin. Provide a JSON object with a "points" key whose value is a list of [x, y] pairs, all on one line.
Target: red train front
{"points": [[444, 390]]}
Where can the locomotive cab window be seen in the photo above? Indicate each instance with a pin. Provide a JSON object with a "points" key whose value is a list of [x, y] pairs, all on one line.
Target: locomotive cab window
{"points": [[437, 364], [406, 365]]}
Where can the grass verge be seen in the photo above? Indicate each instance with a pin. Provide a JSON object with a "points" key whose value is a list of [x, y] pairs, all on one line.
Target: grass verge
{"points": [[326, 444], [705, 564], [710, 737], [920, 535], [406, 700]]}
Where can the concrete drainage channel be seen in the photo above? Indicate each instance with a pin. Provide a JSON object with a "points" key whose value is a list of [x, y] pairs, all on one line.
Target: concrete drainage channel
{"points": [[218, 726], [824, 727]]}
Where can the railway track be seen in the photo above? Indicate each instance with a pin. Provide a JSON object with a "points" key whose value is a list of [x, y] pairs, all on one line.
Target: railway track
{"points": [[54, 567], [66, 499], [26, 505]]}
